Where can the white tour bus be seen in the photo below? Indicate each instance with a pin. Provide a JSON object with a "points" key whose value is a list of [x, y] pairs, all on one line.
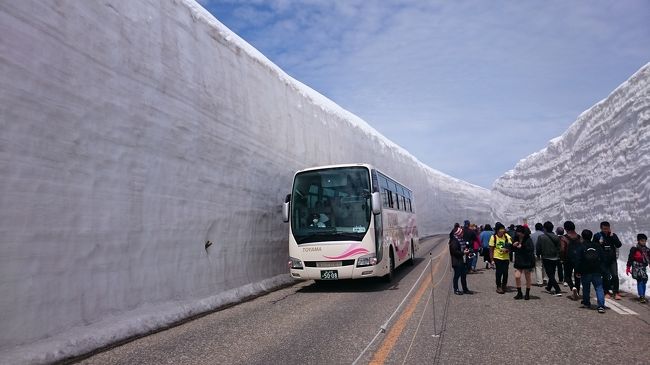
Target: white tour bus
{"points": [[348, 222]]}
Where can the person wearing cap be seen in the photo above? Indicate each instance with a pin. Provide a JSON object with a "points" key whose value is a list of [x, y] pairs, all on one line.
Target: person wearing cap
{"points": [[459, 250], [500, 245]]}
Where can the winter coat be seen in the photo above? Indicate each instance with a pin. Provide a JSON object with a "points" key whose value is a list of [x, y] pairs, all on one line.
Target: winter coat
{"points": [[610, 245], [525, 255], [548, 246], [639, 254], [456, 251]]}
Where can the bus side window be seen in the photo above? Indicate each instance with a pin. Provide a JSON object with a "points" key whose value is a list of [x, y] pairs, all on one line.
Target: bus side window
{"points": [[384, 197]]}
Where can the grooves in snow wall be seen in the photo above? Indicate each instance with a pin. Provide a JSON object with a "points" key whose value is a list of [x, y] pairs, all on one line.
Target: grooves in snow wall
{"points": [[132, 133], [599, 169]]}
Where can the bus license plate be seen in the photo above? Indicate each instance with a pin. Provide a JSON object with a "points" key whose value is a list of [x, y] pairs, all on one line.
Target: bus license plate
{"points": [[329, 274]]}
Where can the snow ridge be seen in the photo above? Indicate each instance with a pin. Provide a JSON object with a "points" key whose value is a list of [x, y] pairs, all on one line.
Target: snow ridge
{"points": [[596, 170], [599, 169]]}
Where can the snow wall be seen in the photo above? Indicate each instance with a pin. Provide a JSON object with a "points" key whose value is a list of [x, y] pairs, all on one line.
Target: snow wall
{"points": [[132, 133], [598, 170]]}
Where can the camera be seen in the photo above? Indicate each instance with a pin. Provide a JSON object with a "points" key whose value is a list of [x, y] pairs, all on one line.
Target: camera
{"points": [[465, 245]]}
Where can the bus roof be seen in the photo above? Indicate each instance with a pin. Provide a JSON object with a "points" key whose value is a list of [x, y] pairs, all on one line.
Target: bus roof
{"points": [[368, 166], [336, 166]]}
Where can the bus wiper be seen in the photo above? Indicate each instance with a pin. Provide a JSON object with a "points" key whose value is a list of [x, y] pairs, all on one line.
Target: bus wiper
{"points": [[310, 237], [354, 236]]}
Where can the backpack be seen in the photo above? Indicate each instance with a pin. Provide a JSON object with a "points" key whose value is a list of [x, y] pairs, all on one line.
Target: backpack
{"points": [[507, 238], [592, 260], [570, 251]]}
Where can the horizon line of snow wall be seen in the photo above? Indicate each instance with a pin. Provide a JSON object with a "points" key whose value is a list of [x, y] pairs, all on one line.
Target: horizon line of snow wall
{"points": [[134, 132], [598, 170]]}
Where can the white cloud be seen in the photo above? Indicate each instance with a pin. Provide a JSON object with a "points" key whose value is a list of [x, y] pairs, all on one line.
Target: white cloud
{"points": [[420, 72]]}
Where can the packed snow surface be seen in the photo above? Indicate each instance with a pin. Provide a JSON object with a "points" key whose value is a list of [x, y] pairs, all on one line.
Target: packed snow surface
{"points": [[133, 132]]}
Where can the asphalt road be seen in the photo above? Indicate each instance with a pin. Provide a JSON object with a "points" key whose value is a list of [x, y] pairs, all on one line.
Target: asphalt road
{"points": [[306, 323], [341, 323]]}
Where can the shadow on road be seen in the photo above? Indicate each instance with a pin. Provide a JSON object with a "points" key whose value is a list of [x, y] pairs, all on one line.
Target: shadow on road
{"points": [[361, 285]]}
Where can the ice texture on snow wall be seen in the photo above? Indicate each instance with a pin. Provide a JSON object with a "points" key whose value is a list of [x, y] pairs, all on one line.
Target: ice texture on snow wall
{"points": [[132, 133], [599, 169]]}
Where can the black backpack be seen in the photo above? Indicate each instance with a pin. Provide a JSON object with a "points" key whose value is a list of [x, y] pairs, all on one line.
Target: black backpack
{"points": [[592, 259]]}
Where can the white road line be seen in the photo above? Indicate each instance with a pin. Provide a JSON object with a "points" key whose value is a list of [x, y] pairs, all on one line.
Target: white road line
{"points": [[620, 308], [417, 329]]}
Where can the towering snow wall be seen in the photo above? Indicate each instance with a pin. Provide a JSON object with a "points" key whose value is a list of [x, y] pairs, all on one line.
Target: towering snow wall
{"points": [[599, 169], [132, 133]]}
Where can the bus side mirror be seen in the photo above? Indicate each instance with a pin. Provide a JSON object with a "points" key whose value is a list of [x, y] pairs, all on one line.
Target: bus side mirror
{"points": [[376, 203], [285, 208]]}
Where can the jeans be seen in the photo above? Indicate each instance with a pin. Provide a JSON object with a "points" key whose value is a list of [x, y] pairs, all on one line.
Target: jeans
{"points": [[549, 267], [474, 261], [597, 280], [612, 283], [460, 272], [569, 275], [502, 273], [640, 287]]}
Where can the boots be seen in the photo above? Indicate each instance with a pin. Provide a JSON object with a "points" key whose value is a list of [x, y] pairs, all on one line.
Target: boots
{"points": [[527, 296], [500, 290], [519, 295]]}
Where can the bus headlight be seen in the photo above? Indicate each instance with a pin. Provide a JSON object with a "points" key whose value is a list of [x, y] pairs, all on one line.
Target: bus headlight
{"points": [[367, 260], [295, 263]]}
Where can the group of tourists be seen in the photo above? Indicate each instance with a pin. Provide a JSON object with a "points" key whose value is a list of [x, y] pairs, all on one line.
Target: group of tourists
{"points": [[580, 260]]}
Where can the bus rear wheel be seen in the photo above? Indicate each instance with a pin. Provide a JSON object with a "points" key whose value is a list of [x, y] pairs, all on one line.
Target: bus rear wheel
{"points": [[411, 260]]}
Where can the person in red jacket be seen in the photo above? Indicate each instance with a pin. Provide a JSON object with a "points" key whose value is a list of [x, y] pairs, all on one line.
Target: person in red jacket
{"points": [[637, 261]]}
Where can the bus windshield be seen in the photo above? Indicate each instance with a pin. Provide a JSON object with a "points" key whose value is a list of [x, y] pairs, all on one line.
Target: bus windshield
{"points": [[331, 205]]}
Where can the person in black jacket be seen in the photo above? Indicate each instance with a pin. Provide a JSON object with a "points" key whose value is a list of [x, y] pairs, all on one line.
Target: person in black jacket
{"points": [[524, 251], [610, 243], [590, 266], [571, 244], [459, 251]]}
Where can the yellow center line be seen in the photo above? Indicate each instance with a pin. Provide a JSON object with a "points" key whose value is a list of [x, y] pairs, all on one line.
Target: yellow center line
{"points": [[396, 331]]}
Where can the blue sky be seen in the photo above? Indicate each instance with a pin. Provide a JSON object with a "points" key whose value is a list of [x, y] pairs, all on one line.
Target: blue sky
{"points": [[468, 87]]}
